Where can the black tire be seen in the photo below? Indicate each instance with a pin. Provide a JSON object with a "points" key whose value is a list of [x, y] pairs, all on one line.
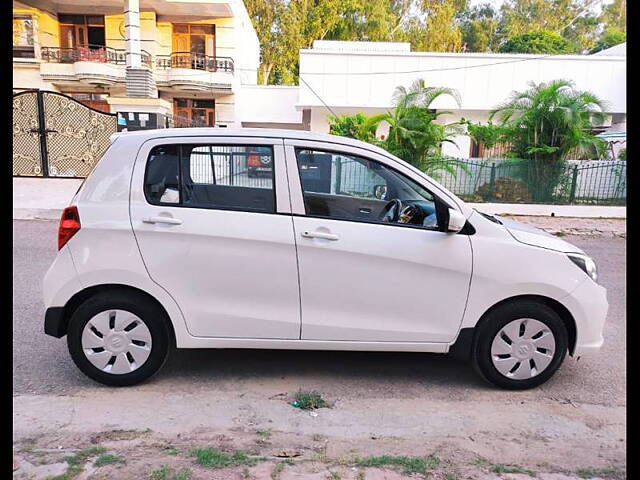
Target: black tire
{"points": [[151, 314], [491, 325]]}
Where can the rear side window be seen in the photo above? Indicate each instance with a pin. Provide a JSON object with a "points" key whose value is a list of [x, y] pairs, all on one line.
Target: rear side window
{"points": [[162, 183], [212, 176]]}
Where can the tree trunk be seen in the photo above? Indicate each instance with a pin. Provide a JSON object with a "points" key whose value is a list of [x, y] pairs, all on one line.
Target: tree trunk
{"points": [[266, 71]]}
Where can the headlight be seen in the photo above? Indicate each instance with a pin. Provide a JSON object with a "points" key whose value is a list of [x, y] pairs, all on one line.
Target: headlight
{"points": [[587, 265]]}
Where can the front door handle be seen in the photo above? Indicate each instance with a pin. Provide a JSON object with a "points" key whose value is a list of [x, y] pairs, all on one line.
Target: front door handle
{"points": [[324, 235], [167, 220]]}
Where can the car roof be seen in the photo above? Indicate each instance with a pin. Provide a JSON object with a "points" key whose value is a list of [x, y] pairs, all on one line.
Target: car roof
{"points": [[140, 136]]}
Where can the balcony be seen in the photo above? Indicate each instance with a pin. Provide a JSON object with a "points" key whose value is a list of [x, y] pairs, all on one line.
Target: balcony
{"points": [[188, 71], [93, 64], [90, 53], [99, 65]]}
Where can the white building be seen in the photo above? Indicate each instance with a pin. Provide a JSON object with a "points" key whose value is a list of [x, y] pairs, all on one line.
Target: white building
{"points": [[352, 77]]}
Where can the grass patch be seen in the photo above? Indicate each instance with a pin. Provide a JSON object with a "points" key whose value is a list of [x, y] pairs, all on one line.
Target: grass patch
{"points": [[184, 474], [214, 458], [76, 462], [409, 465], [162, 473], [263, 435], [309, 400], [166, 473], [107, 459], [607, 472], [120, 434], [498, 468], [171, 451]]}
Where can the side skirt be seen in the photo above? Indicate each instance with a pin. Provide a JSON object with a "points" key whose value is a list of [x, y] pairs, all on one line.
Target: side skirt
{"points": [[295, 344]]}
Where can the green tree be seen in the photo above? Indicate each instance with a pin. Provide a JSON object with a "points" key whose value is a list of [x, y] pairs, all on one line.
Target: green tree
{"points": [[357, 126], [265, 16], [614, 15], [544, 124], [439, 32], [414, 135], [609, 38], [569, 18], [479, 27], [368, 20], [537, 42]]}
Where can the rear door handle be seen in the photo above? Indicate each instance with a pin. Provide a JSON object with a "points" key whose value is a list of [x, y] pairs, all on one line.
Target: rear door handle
{"points": [[324, 235], [167, 220]]}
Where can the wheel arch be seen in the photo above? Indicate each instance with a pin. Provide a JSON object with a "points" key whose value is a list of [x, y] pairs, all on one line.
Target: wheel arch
{"points": [[76, 300], [467, 336]]}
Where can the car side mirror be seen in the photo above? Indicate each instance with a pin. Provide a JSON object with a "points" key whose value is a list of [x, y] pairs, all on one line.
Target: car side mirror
{"points": [[456, 221], [380, 191]]}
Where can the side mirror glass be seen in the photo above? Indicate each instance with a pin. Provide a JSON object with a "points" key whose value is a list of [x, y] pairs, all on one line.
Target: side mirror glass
{"points": [[456, 221], [380, 192]]}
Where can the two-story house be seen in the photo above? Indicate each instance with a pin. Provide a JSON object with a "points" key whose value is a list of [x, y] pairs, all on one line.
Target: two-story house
{"points": [[178, 62]]}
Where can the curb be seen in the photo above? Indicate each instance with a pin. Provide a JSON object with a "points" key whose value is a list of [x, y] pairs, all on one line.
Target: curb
{"points": [[537, 210]]}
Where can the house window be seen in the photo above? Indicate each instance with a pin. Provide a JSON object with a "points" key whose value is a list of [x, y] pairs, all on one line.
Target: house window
{"points": [[23, 37], [193, 112], [198, 39], [82, 31], [97, 101]]}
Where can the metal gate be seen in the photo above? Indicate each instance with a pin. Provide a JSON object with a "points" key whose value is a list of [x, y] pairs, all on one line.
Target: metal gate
{"points": [[54, 135]]}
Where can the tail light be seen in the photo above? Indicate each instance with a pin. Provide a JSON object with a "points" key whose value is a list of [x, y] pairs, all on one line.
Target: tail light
{"points": [[253, 160], [69, 225]]}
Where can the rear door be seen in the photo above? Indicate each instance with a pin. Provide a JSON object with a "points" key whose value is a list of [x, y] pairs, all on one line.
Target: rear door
{"points": [[219, 242]]}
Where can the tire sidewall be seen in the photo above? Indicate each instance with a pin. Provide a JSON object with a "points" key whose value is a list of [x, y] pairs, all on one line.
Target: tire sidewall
{"points": [[150, 314], [496, 320]]}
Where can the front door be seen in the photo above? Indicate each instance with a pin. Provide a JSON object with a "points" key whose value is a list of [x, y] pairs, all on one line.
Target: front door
{"points": [[220, 243], [368, 271]]}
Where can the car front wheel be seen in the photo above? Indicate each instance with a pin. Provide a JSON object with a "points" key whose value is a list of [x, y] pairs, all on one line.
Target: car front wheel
{"points": [[118, 338], [520, 345]]}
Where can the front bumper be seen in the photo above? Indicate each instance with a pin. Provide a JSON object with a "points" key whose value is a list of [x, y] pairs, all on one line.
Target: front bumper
{"points": [[588, 305]]}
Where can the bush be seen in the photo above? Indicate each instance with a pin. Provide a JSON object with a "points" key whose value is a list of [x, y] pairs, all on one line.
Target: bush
{"points": [[538, 42]]}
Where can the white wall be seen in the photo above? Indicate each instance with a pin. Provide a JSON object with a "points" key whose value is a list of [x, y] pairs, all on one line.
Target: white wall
{"points": [[267, 103], [344, 78]]}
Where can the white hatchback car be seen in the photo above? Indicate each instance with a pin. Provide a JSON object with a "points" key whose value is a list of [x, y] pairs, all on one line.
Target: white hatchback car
{"points": [[338, 245]]}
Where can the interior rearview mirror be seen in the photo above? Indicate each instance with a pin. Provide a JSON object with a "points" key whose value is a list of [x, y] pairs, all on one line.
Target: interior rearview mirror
{"points": [[380, 191], [456, 221]]}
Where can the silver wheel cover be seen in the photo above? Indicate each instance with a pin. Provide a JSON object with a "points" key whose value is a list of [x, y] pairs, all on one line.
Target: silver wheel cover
{"points": [[116, 341], [523, 348]]}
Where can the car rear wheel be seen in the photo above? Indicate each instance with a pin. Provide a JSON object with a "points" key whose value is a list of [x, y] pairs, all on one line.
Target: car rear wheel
{"points": [[520, 345], [118, 338]]}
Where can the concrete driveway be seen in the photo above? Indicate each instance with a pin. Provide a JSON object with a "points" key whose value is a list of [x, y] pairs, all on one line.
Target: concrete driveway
{"points": [[382, 403]]}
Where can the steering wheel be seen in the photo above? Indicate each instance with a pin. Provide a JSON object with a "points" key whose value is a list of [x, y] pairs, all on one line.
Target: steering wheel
{"points": [[391, 211]]}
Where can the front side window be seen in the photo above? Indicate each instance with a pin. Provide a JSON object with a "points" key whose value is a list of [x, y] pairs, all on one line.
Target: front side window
{"points": [[349, 187], [211, 176]]}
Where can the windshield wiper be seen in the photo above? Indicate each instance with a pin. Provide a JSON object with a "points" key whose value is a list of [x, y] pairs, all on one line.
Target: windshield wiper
{"points": [[489, 217]]}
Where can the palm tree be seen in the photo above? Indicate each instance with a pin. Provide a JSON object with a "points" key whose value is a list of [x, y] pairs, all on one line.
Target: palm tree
{"points": [[413, 134], [544, 124], [357, 126]]}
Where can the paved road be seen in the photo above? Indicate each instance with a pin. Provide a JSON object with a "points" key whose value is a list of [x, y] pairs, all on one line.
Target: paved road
{"points": [[41, 364]]}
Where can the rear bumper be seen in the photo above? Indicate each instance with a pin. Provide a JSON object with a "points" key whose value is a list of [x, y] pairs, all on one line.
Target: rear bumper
{"points": [[588, 305], [54, 322]]}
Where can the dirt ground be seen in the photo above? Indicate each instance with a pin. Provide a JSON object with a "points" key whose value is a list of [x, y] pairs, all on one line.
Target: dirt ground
{"points": [[227, 414]]}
